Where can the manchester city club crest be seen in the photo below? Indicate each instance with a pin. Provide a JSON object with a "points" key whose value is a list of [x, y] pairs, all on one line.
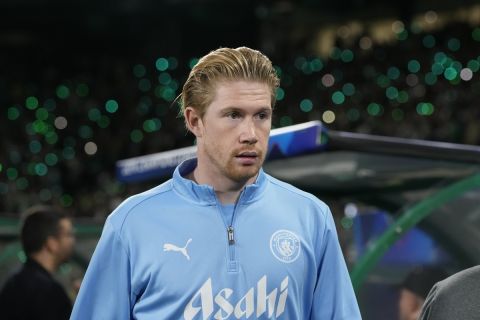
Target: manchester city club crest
{"points": [[285, 246]]}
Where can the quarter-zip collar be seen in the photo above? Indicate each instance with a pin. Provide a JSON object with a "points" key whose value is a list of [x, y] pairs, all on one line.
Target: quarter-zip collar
{"points": [[204, 194]]}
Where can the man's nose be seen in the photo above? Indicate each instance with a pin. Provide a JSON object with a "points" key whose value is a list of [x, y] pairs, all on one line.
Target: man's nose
{"points": [[248, 134]]}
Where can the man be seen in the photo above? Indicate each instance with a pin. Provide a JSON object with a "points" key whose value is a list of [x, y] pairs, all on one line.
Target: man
{"points": [[456, 297], [415, 289], [221, 239], [33, 293]]}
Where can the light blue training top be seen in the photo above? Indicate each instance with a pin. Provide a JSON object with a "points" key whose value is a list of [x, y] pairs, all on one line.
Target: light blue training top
{"points": [[172, 253]]}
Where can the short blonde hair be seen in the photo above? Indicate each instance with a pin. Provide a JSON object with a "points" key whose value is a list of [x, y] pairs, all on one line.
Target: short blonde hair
{"points": [[226, 64]]}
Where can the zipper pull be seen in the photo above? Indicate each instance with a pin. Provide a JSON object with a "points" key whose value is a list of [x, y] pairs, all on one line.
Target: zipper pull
{"points": [[231, 238]]}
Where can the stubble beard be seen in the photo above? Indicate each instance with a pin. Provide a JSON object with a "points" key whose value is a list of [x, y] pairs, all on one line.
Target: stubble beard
{"points": [[232, 170]]}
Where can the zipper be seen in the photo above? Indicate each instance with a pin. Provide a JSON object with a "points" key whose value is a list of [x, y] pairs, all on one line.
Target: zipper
{"points": [[232, 265]]}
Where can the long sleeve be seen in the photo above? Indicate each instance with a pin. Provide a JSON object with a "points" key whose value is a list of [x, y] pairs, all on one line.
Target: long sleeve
{"points": [[105, 292], [334, 297]]}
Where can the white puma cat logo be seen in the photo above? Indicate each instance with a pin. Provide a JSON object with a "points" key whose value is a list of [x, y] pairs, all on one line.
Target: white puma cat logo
{"points": [[172, 247]]}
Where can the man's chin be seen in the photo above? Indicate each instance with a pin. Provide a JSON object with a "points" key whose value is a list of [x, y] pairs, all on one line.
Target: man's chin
{"points": [[243, 174]]}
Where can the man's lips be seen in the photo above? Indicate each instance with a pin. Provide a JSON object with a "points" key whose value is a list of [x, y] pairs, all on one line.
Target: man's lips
{"points": [[247, 154]]}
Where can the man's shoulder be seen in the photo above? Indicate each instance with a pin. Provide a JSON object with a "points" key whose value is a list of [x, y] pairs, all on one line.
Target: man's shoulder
{"points": [[150, 197], [294, 192]]}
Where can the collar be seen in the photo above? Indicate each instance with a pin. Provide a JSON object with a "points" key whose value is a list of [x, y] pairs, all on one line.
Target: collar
{"points": [[33, 264], [204, 194]]}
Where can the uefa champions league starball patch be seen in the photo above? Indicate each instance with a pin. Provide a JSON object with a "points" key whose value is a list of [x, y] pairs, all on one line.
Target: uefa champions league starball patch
{"points": [[285, 246]]}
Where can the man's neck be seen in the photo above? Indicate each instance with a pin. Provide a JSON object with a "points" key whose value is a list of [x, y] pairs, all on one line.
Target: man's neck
{"points": [[45, 261], [227, 190]]}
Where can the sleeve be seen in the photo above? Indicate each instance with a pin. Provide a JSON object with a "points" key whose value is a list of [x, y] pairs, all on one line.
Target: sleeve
{"points": [[429, 303], [105, 292], [334, 298]]}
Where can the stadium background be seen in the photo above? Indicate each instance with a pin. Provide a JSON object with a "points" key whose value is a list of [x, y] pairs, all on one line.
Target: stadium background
{"points": [[84, 84]]}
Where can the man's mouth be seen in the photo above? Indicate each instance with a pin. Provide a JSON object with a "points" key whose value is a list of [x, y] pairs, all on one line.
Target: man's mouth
{"points": [[247, 155]]}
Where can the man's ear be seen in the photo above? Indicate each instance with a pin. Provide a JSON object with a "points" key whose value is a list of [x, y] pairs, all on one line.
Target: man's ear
{"points": [[193, 121], [51, 244]]}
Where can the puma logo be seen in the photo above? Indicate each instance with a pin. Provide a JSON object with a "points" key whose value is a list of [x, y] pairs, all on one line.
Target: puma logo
{"points": [[172, 247]]}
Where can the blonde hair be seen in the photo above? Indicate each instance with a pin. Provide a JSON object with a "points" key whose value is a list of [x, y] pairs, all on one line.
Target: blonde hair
{"points": [[225, 64]]}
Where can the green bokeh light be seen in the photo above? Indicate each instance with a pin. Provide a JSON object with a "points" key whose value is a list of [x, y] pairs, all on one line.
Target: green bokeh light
{"points": [[353, 114], [13, 113], [393, 73], [402, 97], [94, 114], [383, 81], [22, 183], [63, 92], [425, 108], [31, 103], [413, 66], [437, 68], [164, 78], [161, 64], [85, 132], [40, 126], [286, 121], [473, 65], [139, 70], [51, 159], [66, 200], [347, 56], [338, 97], [453, 44], [402, 35], [82, 90], [68, 153], [35, 146], [440, 57], [335, 53], [41, 114], [192, 62], [280, 94], [450, 73], [348, 89], [374, 109], [172, 63], [476, 34], [103, 122], [152, 125], [429, 41], [306, 105], [51, 137], [316, 65], [391, 93], [430, 79], [111, 106], [12, 174], [136, 136]]}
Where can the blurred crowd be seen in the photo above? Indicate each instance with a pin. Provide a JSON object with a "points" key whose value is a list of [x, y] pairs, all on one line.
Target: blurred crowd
{"points": [[66, 119]]}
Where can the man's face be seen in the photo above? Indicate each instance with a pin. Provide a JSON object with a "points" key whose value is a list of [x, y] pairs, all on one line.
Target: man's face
{"points": [[234, 130], [409, 305], [65, 240]]}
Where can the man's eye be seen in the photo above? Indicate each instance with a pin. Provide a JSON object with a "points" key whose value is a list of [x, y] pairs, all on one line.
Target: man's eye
{"points": [[234, 115], [263, 115]]}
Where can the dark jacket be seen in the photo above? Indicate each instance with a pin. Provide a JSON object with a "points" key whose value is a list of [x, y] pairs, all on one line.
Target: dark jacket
{"points": [[33, 293], [457, 297]]}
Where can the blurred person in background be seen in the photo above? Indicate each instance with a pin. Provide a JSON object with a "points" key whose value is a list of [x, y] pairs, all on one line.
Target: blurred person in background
{"points": [[457, 297], [33, 293], [221, 239], [415, 288]]}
